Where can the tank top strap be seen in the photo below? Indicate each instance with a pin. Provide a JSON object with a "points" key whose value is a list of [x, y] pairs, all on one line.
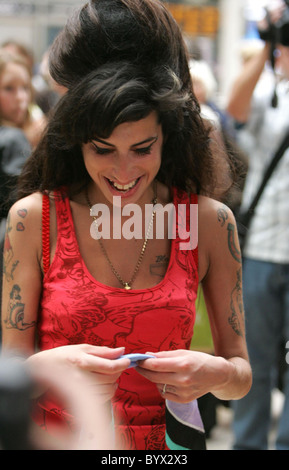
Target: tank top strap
{"points": [[45, 232], [64, 225], [62, 207], [187, 221]]}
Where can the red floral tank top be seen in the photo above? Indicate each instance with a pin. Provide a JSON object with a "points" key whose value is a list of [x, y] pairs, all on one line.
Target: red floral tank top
{"points": [[75, 309]]}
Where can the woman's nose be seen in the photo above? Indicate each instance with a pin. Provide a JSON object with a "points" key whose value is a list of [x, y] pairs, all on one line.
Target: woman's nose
{"points": [[123, 169]]}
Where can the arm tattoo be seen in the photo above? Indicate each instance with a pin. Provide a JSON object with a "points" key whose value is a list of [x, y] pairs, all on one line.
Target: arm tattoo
{"points": [[20, 226], [22, 213], [8, 266], [222, 215], [236, 320], [235, 252], [15, 312]]}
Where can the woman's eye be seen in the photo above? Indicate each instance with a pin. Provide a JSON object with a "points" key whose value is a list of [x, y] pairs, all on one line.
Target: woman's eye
{"points": [[101, 150], [144, 150], [106, 151]]}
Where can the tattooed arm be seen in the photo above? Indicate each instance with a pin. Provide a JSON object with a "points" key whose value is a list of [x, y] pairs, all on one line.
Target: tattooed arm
{"points": [[21, 275], [190, 374], [22, 285], [220, 269]]}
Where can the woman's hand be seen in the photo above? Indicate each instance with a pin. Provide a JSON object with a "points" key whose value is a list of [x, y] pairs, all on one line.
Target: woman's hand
{"points": [[187, 375], [94, 364]]}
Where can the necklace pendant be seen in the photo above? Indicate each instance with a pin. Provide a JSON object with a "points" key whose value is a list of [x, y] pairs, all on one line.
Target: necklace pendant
{"points": [[126, 285]]}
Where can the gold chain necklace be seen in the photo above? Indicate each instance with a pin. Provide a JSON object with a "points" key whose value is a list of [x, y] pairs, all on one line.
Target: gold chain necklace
{"points": [[126, 285]]}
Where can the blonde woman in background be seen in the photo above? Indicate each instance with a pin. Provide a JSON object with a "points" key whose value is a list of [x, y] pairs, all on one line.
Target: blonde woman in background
{"points": [[16, 97]]}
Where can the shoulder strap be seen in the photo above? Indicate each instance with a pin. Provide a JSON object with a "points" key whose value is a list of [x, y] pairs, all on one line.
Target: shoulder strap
{"points": [[45, 233], [277, 157]]}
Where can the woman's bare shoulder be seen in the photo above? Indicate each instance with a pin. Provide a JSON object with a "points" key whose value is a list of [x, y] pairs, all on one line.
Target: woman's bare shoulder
{"points": [[31, 205], [217, 233], [213, 211], [26, 214]]}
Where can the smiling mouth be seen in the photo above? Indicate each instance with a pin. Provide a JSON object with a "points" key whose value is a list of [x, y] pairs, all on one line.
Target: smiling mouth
{"points": [[123, 187]]}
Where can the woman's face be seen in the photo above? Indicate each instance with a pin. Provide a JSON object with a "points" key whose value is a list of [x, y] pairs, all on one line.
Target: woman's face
{"points": [[127, 162], [15, 94]]}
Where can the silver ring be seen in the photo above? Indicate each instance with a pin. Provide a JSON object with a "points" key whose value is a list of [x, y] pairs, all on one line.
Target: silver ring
{"points": [[164, 389]]}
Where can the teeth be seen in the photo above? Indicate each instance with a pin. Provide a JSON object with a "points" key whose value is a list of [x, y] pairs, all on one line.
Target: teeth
{"points": [[124, 187]]}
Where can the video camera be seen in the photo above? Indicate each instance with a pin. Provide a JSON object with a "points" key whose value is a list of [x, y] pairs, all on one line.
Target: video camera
{"points": [[277, 33]]}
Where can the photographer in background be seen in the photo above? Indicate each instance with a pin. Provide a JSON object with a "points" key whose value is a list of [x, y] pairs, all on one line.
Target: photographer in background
{"points": [[262, 114]]}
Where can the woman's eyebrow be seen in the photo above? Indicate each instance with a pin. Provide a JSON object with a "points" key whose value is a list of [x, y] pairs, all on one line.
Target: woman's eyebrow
{"points": [[103, 142], [150, 139]]}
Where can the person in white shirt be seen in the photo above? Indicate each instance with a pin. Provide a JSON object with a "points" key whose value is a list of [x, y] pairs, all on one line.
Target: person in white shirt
{"points": [[266, 250]]}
